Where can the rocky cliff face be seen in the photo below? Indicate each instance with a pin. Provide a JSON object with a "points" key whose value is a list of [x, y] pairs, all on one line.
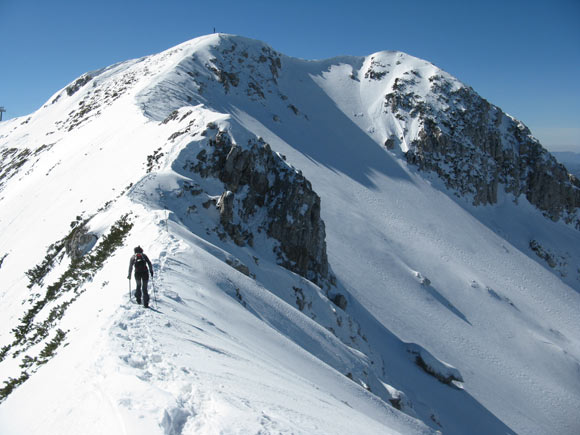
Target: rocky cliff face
{"points": [[478, 150], [442, 125], [264, 194]]}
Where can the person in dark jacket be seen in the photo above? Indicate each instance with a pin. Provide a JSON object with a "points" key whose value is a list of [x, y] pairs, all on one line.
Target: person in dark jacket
{"points": [[141, 263]]}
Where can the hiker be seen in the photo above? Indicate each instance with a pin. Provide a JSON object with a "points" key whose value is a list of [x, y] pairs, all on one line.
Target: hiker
{"points": [[141, 262]]}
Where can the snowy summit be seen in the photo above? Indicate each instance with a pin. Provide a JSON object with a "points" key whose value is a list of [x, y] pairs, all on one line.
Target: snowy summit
{"points": [[346, 246]]}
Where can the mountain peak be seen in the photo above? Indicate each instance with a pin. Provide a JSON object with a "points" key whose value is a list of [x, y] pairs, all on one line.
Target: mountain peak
{"points": [[341, 245]]}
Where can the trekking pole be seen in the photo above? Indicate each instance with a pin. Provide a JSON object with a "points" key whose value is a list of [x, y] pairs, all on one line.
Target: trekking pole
{"points": [[154, 292], [129, 288]]}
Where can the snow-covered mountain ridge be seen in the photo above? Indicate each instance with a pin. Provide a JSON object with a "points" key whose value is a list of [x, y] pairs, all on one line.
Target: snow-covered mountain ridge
{"points": [[296, 251]]}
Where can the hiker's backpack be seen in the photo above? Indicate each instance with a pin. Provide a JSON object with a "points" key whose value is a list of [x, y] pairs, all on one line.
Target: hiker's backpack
{"points": [[140, 263]]}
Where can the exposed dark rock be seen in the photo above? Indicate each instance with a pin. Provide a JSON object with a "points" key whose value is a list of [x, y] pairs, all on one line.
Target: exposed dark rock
{"points": [[11, 160], [209, 203], [340, 301], [226, 207], [558, 261], [390, 143], [540, 252], [255, 178], [477, 150], [172, 116], [231, 65], [300, 298], [442, 372], [396, 403], [79, 83], [153, 159], [80, 242], [239, 266], [193, 188], [444, 379], [376, 70]]}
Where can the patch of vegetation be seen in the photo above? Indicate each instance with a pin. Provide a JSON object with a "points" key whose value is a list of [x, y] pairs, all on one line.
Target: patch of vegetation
{"points": [[46, 353], [71, 283], [37, 274], [11, 384], [4, 352], [55, 251], [49, 350]]}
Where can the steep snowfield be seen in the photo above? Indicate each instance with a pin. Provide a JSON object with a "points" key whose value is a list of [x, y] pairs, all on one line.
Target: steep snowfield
{"points": [[425, 275], [197, 363]]}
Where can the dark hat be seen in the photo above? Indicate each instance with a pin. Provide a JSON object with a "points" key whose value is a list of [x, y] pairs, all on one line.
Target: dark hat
{"points": [[138, 250]]}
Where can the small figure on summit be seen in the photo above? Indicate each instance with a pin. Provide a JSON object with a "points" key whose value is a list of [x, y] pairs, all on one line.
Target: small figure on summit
{"points": [[141, 263]]}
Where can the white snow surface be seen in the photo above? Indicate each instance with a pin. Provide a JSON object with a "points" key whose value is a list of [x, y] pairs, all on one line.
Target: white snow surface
{"points": [[423, 272]]}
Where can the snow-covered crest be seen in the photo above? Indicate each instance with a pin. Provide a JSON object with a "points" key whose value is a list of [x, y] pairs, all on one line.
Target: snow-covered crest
{"points": [[434, 313]]}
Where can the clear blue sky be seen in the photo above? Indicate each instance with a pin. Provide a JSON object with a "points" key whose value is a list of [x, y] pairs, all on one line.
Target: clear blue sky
{"points": [[523, 56]]}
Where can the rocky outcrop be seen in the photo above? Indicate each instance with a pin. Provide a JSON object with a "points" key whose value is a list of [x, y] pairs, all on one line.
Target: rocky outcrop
{"points": [[79, 242], [79, 83], [263, 193], [238, 66], [478, 150], [440, 370]]}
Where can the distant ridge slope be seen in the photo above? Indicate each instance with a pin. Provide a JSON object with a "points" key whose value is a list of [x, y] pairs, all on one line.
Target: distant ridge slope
{"points": [[439, 123]]}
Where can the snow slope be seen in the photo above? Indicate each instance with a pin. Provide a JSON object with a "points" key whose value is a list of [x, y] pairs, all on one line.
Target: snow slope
{"points": [[434, 287]]}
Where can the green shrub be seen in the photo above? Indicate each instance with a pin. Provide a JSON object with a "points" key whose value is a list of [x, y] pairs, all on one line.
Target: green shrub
{"points": [[72, 281]]}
